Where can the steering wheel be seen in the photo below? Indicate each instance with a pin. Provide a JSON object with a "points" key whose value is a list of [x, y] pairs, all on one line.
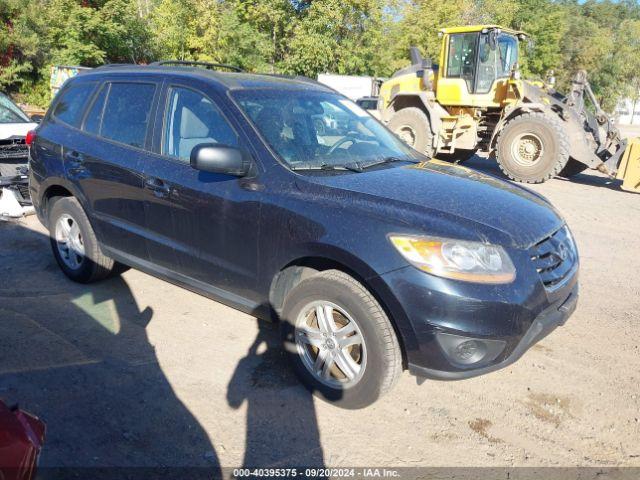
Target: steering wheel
{"points": [[339, 143]]}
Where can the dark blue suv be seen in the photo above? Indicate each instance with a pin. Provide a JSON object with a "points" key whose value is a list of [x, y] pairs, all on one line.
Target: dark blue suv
{"points": [[373, 258]]}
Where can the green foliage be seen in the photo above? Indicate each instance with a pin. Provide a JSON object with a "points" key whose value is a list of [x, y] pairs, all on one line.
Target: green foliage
{"points": [[339, 36], [357, 37]]}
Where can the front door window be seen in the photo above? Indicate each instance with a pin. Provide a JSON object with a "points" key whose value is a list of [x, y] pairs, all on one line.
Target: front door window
{"points": [[193, 119]]}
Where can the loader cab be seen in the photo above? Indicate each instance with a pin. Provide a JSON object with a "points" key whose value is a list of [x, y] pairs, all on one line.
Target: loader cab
{"points": [[476, 65]]}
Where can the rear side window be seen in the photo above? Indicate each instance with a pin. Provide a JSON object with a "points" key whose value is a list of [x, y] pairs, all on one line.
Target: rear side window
{"points": [[72, 102], [125, 117]]}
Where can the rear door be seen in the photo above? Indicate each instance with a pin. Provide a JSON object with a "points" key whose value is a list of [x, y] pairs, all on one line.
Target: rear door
{"points": [[202, 225], [107, 164]]}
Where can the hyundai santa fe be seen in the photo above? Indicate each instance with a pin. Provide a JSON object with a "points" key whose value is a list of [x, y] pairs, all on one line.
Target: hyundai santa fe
{"points": [[373, 258]]}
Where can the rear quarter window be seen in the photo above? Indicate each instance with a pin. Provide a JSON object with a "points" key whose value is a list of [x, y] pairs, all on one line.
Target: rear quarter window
{"points": [[72, 102]]}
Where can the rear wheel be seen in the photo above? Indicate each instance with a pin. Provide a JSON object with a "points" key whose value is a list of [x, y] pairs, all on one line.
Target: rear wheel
{"points": [[532, 148], [339, 340], [74, 243], [412, 126]]}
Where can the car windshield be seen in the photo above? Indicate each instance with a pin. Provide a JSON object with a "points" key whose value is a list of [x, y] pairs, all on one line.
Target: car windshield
{"points": [[310, 130], [10, 112]]}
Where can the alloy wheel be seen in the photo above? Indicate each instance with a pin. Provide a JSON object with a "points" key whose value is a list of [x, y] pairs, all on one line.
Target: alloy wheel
{"points": [[330, 344], [69, 242]]}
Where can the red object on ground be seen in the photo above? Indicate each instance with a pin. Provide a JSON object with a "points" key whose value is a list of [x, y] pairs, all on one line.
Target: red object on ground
{"points": [[21, 439]]}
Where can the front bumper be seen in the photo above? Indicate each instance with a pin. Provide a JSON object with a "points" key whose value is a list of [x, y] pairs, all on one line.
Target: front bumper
{"points": [[543, 325], [427, 309]]}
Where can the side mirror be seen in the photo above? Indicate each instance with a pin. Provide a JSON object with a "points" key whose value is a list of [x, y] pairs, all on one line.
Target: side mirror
{"points": [[218, 158], [37, 117]]}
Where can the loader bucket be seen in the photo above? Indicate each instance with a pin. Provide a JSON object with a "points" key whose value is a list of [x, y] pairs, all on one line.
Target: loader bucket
{"points": [[629, 169]]}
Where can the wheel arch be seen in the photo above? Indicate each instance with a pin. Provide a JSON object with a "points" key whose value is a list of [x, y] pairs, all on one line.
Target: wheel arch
{"points": [[519, 109], [55, 187], [417, 100], [303, 267]]}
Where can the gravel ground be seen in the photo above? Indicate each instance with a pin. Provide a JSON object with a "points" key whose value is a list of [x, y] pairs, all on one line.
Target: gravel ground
{"points": [[137, 372]]}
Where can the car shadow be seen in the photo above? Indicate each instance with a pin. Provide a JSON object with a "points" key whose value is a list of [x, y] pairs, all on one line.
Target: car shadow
{"points": [[281, 424], [79, 357]]}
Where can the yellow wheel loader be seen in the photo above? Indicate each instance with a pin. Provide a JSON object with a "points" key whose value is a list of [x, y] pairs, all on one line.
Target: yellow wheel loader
{"points": [[474, 100]]}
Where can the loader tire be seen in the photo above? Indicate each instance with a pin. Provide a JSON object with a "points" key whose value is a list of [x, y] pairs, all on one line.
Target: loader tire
{"points": [[412, 126], [532, 148], [572, 168]]}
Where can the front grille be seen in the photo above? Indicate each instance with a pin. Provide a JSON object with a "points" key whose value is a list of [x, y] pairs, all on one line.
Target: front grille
{"points": [[554, 258], [13, 148]]}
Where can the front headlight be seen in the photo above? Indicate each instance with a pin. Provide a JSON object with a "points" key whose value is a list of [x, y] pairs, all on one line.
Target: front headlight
{"points": [[458, 259]]}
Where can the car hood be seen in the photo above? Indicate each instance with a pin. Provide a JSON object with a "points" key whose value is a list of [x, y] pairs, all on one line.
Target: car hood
{"points": [[487, 208], [8, 130]]}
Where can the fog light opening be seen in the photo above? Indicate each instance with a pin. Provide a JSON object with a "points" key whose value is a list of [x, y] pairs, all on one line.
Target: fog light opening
{"points": [[466, 352], [470, 351]]}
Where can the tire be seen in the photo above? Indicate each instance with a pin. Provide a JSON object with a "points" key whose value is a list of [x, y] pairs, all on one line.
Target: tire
{"points": [[572, 168], [93, 265], [376, 350], [412, 126], [542, 133]]}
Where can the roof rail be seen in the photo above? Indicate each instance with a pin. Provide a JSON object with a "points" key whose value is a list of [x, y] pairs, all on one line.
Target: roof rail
{"points": [[115, 65], [197, 64]]}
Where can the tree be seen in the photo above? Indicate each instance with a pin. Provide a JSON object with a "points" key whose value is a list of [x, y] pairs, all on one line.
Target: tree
{"points": [[627, 55], [356, 37], [170, 23], [546, 23], [422, 20], [338, 36]]}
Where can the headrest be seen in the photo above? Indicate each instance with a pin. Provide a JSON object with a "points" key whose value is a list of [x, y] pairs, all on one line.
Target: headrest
{"points": [[191, 126]]}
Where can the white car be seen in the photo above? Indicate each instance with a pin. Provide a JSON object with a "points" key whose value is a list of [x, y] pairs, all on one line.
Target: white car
{"points": [[14, 158], [14, 125]]}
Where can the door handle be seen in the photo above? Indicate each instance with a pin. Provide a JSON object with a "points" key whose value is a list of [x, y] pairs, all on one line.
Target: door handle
{"points": [[157, 186]]}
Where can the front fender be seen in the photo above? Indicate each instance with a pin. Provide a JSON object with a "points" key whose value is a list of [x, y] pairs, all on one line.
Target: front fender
{"points": [[508, 114], [372, 280]]}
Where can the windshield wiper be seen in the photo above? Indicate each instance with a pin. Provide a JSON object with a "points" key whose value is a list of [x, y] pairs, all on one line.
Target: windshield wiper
{"points": [[326, 166], [363, 166]]}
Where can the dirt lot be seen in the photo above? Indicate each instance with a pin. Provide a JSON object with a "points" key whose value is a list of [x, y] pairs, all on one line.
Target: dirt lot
{"points": [[135, 371]]}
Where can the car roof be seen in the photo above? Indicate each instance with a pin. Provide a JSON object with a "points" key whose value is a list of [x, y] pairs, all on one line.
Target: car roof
{"points": [[229, 80]]}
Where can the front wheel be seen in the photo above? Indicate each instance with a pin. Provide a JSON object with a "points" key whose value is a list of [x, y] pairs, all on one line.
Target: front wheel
{"points": [[339, 340], [532, 148]]}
